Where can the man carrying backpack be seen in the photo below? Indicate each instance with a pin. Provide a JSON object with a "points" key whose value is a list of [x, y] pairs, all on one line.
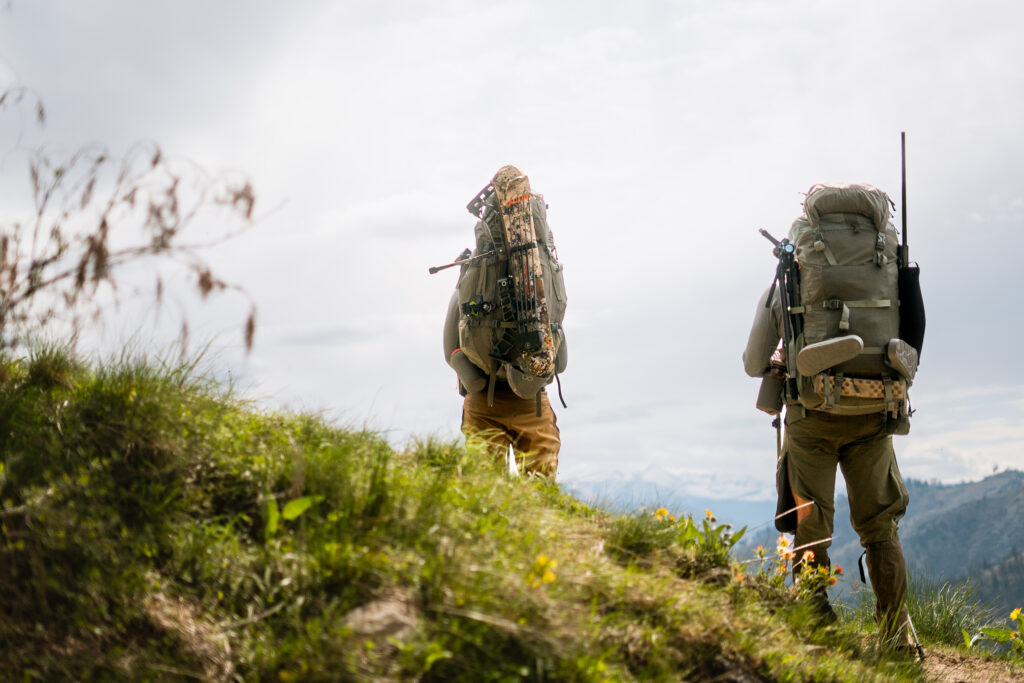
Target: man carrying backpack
{"points": [[503, 332], [844, 375]]}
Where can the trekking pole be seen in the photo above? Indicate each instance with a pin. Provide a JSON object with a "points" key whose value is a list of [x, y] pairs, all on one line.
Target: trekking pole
{"points": [[913, 632]]}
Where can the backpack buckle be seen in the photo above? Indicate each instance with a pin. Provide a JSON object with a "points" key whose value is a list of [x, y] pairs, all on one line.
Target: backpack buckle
{"points": [[832, 304]]}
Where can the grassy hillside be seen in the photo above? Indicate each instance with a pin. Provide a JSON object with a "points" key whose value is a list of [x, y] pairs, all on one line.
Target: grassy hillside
{"points": [[154, 527]]}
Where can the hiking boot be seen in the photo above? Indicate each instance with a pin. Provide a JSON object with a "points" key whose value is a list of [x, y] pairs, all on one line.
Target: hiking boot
{"points": [[815, 358], [822, 607], [902, 358]]}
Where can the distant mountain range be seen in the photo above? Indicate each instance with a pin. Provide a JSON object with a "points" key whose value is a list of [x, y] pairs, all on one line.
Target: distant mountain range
{"points": [[741, 503], [973, 531]]}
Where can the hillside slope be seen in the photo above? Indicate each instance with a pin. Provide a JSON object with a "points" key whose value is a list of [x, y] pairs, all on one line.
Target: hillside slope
{"points": [[153, 527]]}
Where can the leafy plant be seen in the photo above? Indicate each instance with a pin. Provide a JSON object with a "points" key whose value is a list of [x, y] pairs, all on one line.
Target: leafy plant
{"points": [[1006, 636]]}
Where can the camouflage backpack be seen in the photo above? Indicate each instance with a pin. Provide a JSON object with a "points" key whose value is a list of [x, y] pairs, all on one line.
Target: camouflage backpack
{"points": [[512, 295], [849, 358]]}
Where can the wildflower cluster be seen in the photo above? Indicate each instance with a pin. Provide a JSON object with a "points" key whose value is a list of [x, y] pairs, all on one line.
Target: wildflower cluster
{"points": [[813, 577], [662, 515], [773, 567], [699, 544], [783, 549], [779, 562], [542, 571]]}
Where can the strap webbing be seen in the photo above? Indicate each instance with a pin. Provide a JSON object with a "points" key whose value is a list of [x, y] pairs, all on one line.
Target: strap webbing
{"points": [[869, 303], [821, 245], [836, 303], [890, 405], [493, 323]]}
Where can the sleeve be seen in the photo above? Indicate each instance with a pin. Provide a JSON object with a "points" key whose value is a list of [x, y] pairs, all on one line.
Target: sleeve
{"points": [[451, 328], [764, 335]]}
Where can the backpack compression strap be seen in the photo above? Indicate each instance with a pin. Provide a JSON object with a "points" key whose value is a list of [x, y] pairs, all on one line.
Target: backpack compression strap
{"points": [[844, 306]]}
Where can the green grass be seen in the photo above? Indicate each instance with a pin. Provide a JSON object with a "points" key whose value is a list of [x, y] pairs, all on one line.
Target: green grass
{"points": [[155, 527], [940, 611]]}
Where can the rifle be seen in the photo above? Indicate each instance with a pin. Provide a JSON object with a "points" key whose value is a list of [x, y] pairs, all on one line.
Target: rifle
{"points": [[787, 278]]}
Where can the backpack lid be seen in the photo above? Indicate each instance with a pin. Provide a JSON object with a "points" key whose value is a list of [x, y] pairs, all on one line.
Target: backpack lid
{"points": [[865, 200]]}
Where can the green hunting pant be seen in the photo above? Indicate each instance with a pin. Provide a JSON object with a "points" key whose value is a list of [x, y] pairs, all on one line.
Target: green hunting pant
{"points": [[816, 443], [514, 421], [862, 448]]}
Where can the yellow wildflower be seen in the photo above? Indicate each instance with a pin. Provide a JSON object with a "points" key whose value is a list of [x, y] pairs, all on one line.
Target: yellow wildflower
{"points": [[1015, 614], [660, 514]]}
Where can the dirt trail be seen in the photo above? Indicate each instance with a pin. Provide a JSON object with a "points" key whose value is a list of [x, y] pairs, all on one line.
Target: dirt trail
{"points": [[943, 666]]}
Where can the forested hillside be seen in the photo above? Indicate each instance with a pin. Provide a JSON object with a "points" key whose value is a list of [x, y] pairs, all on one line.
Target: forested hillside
{"points": [[1000, 583]]}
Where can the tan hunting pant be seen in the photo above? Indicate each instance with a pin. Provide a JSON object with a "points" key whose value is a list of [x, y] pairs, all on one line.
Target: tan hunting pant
{"points": [[514, 421]]}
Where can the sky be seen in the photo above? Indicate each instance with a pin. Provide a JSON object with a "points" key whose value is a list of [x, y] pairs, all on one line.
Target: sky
{"points": [[662, 135]]}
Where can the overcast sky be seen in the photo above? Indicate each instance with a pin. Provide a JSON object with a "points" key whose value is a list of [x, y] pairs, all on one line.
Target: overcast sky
{"points": [[662, 134]]}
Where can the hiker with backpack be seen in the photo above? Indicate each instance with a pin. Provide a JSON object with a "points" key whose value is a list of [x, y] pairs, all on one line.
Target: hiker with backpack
{"points": [[503, 332], [842, 372]]}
